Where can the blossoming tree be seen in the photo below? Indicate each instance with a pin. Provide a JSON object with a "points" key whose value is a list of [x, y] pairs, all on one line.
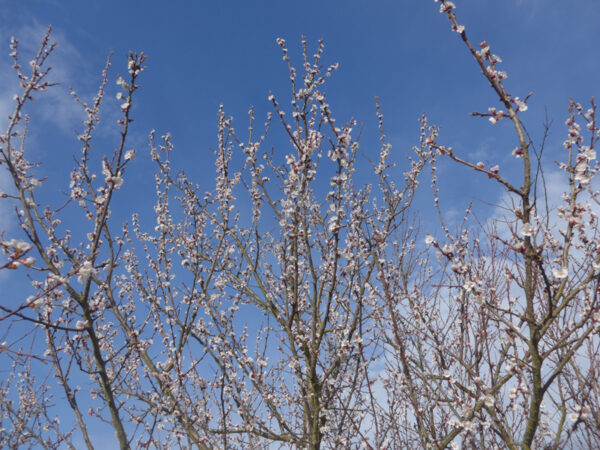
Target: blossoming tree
{"points": [[500, 348], [315, 316]]}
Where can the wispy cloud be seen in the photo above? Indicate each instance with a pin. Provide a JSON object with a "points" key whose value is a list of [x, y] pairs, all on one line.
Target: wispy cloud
{"points": [[549, 197], [7, 224], [55, 107], [68, 65], [5, 206]]}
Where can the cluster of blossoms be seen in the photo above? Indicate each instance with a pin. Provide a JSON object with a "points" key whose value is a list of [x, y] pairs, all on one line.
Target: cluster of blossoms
{"points": [[116, 180], [584, 168], [85, 271], [528, 230], [521, 104], [495, 115], [448, 7], [491, 60], [16, 251]]}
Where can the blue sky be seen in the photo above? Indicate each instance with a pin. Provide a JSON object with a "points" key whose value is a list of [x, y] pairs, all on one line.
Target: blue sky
{"points": [[202, 54]]}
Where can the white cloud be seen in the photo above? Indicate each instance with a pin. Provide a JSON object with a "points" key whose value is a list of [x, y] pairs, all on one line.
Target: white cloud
{"points": [[549, 197], [68, 66], [55, 106], [7, 223], [5, 205]]}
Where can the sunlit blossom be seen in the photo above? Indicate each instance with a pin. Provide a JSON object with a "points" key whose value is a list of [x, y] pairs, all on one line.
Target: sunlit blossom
{"points": [[580, 413], [560, 274], [527, 229]]}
